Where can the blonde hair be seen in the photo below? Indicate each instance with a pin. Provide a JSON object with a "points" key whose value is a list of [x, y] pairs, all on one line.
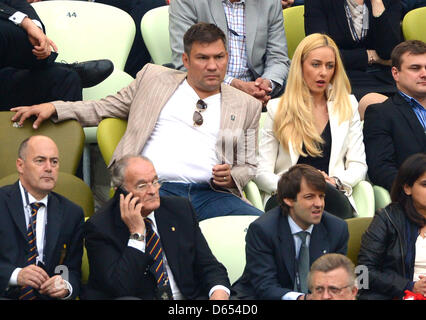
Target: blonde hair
{"points": [[294, 119]]}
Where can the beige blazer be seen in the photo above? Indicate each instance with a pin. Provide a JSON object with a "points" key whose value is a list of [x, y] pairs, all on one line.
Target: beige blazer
{"points": [[141, 103], [347, 159]]}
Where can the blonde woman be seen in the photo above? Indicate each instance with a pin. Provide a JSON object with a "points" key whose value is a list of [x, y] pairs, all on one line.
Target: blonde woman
{"points": [[315, 122]]}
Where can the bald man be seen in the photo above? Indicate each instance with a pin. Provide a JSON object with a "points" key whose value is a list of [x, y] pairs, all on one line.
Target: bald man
{"points": [[40, 230]]}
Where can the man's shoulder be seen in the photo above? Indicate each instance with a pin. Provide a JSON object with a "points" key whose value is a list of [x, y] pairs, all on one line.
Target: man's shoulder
{"points": [[180, 205], [6, 193], [66, 203], [388, 111], [268, 220], [390, 103], [4, 190], [240, 95], [155, 70], [333, 223]]}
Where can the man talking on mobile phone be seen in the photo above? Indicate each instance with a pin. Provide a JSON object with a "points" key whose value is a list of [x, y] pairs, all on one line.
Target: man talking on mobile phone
{"points": [[144, 246]]}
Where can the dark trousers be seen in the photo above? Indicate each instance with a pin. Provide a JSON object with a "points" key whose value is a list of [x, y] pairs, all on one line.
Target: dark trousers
{"points": [[24, 80], [336, 203]]}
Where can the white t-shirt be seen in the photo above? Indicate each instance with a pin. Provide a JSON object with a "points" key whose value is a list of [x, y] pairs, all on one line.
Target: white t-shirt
{"points": [[180, 150]]}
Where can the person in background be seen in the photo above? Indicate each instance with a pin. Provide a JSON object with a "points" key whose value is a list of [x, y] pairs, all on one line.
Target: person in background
{"points": [[255, 38], [395, 129], [394, 246], [315, 122], [40, 230], [283, 243], [145, 246], [332, 277], [291, 3], [200, 132], [28, 71], [365, 32]]}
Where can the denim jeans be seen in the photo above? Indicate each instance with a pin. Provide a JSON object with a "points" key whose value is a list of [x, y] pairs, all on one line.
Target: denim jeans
{"points": [[207, 202]]}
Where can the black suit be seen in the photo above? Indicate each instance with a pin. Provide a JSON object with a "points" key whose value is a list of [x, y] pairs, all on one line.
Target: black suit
{"points": [[64, 227], [270, 253], [118, 270], [24, 80], [392, 132]]}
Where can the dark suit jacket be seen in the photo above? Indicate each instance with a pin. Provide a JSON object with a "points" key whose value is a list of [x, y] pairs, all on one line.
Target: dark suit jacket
{"points": [[328, 16], [10, 7], [270, 253], [392, 132], [64, 227], [118, 270]]}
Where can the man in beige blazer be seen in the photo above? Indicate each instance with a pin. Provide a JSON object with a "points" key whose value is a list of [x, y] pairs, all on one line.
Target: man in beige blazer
{"points": [[161, 96]]}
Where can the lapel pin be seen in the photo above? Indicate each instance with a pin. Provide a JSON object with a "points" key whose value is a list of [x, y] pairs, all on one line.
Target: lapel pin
{"points": [[173, 229], [232, 117]]}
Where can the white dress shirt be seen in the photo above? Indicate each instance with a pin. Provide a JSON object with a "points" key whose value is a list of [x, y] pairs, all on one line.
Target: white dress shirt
{"points": [[27, 200], [140, 245], [19, 16]]}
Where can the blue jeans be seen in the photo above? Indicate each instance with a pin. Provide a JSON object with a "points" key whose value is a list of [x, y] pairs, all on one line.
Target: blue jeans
{"points": [[207, 202]]}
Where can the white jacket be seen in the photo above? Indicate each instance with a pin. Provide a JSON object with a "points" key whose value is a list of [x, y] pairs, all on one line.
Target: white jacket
{"points": [[347, 159]]}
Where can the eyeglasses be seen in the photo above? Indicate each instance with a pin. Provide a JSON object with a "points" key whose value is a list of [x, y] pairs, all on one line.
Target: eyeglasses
{"points": [[198, 117], [156, 183], [334, 291]]}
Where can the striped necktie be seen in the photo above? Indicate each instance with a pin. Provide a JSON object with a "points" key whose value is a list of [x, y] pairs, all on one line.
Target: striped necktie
{"points": [[155, 250], [27, 292]]}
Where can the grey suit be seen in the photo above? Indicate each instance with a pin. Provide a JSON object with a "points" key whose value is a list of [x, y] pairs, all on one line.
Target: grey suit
{"points": [[266, 42], [142, 101]]}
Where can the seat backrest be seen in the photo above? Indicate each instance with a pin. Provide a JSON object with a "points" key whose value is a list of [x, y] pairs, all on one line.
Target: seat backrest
{"points": [[155, 33], [109, 133], [84, 263], [226, 239], [85, 30], [414, 25], [294, 25], [357, 227], [111, 85], [69, 186], [363, 196], [68, 136], [381, 197]]}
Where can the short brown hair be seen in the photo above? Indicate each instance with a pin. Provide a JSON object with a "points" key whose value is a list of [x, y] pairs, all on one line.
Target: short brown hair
{"points": [[415, 47], [330, 262], [202, 32], [289, 183]]}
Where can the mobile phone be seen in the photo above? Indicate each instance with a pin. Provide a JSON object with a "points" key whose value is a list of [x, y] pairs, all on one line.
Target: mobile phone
{"points": [[121, 190]]}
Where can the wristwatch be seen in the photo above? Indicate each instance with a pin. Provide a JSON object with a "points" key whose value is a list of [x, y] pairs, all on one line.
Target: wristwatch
{"points": [[339, 184], [137, 236]]}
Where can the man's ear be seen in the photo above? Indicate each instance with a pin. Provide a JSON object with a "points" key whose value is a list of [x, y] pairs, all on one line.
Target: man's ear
{"points": [[19, 165], [185, 60], [395, 73], [289, 202]]}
